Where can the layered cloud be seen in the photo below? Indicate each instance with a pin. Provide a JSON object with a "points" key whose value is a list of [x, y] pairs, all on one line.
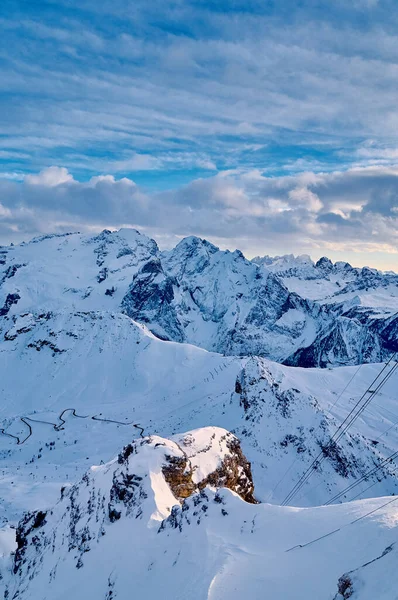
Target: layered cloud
{"points": [[347, 212], [272, 125], [129, 87]]}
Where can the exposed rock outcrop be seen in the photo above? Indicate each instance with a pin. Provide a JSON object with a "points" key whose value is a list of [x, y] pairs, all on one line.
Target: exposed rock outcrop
{"points": [[232, 471]]}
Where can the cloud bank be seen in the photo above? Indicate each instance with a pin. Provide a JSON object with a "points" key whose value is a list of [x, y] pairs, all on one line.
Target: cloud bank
{"points": [[343, 213], [269, 126]]}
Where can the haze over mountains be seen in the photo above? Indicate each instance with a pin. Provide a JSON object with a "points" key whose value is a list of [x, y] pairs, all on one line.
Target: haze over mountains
{"points": [[111, 349]]}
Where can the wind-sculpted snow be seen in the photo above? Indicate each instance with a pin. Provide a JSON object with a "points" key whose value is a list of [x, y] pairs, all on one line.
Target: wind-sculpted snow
{"points": [[217, 300]]}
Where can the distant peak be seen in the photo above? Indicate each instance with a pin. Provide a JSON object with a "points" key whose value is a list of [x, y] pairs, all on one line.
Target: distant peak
{"points": [[194, 241], [324, 263]]}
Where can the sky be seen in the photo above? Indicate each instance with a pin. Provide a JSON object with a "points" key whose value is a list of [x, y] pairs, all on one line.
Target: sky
{"points": [[262, 125]]}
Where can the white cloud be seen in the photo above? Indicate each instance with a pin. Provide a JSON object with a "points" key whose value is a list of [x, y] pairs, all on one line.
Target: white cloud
{"points": [[133, 98], [50, 177], [4, 212], [137, 162], [12, 176], [302, 196]]}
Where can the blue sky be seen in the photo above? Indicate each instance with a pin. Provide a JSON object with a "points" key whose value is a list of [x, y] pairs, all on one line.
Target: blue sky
{"points": [[260, 105]]}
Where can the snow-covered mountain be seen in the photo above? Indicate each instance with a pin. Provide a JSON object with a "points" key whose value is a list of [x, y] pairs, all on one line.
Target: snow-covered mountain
{"points": [[365, 299], [56, 368], [329, 282], [148, 523], [106, 342], [198, 294], [234, 306]]}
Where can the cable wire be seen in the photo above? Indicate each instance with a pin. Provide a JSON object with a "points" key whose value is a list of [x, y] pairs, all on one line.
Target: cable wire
{"points": [[364, 477], [355, 412], [328, 413]]}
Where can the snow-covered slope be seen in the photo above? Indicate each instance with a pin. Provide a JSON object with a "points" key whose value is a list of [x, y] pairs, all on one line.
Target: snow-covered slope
{"points": [[152, 522], [73, 272], [58, 371], [362, 297], [234, 306]]}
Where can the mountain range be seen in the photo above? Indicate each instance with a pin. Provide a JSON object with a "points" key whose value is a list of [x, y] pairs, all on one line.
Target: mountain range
{"points": [[285, 309], [201, 385]]}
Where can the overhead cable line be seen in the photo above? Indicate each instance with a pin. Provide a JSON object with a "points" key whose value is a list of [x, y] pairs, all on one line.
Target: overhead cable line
{"points": [[328, 412], [371, 512], [355, 412], [364, 477]]}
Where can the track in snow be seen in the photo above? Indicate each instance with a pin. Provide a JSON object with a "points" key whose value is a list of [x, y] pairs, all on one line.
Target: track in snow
{"points": [[59, 426]]}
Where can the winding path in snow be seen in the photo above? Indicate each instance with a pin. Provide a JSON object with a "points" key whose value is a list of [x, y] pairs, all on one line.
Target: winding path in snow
{"points": [[59, 426], [9, 435]]}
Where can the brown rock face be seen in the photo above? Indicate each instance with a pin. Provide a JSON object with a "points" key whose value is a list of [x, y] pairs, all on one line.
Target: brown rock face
{"points": [[233, 473], [345, 587], [178, 474]]}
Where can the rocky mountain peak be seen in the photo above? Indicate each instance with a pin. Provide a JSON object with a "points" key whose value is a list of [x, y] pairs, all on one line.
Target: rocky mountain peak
{"points": [[324, 263], [149, 477]]}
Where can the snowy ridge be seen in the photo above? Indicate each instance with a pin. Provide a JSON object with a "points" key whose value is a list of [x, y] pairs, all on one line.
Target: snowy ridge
{"points": [[122, 524], [146, 481], [335, 282]]}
